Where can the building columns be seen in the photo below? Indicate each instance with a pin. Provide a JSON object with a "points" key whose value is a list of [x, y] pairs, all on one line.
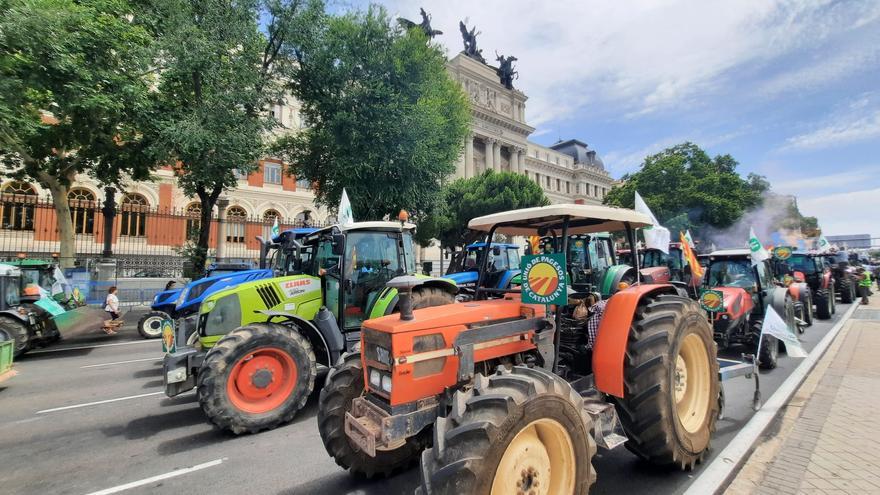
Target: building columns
{"points": [[519, 166], [490, 154], [469, 156], [496, 160]]}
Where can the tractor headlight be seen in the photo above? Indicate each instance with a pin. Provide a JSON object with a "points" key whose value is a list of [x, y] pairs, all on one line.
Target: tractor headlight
{"points": [[207, 306], [375, 379], [156, 299], [224, 317], [386, 383]]}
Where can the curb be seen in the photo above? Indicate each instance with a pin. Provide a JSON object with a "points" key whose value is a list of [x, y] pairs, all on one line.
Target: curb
{"points": [[719, 472]]}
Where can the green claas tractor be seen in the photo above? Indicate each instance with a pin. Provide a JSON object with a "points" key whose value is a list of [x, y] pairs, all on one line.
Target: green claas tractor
{"points": [[254, 357]]}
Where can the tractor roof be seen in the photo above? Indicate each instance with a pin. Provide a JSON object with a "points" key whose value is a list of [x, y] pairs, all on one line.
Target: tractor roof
{"points": [[385, 226], [583, 219], [731, 253], [27, 262], [9, 271], [478, 245]]}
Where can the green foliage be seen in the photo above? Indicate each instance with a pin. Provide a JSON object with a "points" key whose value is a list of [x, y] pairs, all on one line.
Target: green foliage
{"points": [[686, 189], [464, 199], [385, 119], [74, 80]]}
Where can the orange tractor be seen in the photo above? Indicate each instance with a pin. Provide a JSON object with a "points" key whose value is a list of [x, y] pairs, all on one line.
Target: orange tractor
{"points": [[501, 396]]}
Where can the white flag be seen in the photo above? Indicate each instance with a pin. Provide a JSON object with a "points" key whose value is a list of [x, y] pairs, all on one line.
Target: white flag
{"points": [[759, 254], [824, 245], [775, 326], [275, 230], [656, 236], [344, 216]]}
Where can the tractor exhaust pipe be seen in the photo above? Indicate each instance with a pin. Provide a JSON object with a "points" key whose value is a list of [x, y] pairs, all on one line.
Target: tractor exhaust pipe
{"points": [[404, 286]]}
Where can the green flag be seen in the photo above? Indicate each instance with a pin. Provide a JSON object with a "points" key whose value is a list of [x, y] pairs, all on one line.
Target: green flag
{"points": [[824, 245], [275, 231]]}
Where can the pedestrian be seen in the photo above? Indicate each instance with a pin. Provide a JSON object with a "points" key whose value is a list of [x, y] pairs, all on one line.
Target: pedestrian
{"points": [[864, 279], [111, 306]]}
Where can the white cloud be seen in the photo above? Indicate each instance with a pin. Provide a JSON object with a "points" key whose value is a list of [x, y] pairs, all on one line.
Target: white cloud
{"points": [[619, 162], [804, 186], [636, 57], [857, 125], [845, 213]]}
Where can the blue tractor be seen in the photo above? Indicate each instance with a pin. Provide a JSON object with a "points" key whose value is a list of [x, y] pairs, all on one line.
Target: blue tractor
{"points": [[502, 266], [182, 305]]}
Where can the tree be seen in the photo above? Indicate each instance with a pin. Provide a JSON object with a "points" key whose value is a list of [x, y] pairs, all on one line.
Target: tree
{"points": [[688, 190], [219, 73], [74, 79], [464, 199], [385, 120]]}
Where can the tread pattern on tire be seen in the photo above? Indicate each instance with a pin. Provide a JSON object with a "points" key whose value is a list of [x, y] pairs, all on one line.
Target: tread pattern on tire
{"points": [[767, 359], [646, 417], [477, 421], [19, 333], [425, 297], [345, 381], [212, 377], [847, 295], [823, 305]]}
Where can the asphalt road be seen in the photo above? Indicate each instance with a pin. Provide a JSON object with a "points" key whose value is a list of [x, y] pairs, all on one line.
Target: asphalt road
{"points": [[89, 416]]}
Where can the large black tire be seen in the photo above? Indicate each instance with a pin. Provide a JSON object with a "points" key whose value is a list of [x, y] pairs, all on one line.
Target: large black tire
{"points": [[17, 331], [657, 431], [425, 297], [768, 355], [808, 306], [345, 382], [150, 325], [483, 421], [847, 290], [823, 301], [243, 345], [833, 297]]}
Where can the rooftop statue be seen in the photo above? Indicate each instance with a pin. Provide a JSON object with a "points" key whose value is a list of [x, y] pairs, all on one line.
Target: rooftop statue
{"points": [[505, 70], [425, 25], [470, 42]]}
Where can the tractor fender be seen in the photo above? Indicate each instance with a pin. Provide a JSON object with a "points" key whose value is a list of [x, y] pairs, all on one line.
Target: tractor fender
{"points": [[15, 315], [609, 351], [332, 341], [826, 280], [507, 279], [777, 301], [795, 291], [655, 275], [614, 276]]}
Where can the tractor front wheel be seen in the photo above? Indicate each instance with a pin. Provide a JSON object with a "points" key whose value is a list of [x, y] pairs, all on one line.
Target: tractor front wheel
{"points": [[847, 291], [150, 325], [522, 430], [671, 395], [823, 304], [18, 332], [768, 354], [345, 382], [256, 378]]}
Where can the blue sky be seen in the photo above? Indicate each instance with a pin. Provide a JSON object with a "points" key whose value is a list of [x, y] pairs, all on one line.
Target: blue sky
{"points": [[790, 89]]}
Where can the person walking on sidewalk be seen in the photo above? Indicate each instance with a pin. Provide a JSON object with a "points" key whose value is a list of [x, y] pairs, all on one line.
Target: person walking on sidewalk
{"points": [[864, 278]]}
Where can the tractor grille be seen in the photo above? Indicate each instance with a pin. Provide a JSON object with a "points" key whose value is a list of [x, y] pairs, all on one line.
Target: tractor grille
{"points": [[269, 295]]}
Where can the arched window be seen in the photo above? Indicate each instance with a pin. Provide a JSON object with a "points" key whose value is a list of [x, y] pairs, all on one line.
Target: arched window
{"points": [[269, 217], [134, 215], [193, 220], [235, 224], [18, 200], [82, 210]]}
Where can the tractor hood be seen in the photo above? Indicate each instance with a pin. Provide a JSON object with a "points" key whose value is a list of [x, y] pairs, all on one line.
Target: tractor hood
{"points": [[736, 301], [195, 292], [463, 278], [454, 316], [655, 274]]}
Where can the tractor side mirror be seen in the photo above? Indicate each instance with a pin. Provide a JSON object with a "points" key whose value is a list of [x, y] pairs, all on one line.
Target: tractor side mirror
{"points": [[338, 243], [496, 251]]}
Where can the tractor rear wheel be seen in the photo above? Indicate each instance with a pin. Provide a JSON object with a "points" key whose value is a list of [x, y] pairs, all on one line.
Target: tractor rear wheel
{"points": [[823, 302], [768, 355], [256, 378], [847, 291], [18, 332], [671, 394], [150, 325], [345, 382], [522, 430], [808, 306], [425, 297]]}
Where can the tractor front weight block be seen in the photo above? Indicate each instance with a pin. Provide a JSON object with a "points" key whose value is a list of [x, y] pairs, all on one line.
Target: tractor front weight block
{"points": [[177, 369], [372, 428]]}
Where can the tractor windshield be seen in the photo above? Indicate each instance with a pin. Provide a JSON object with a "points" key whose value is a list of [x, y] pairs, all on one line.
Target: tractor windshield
{"points": [[371, 260], [802, 263], [731, 273], [11, 290], [655, 257]]}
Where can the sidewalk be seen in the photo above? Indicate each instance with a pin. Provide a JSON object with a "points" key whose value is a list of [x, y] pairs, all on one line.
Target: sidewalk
{"points": [[828, 439]]}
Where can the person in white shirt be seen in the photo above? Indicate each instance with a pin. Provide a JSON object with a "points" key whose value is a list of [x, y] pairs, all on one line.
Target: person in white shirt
{"points": [[111, 305]]}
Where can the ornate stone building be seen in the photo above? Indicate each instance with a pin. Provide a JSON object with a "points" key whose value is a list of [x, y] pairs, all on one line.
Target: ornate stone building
{"points": [[568, 171]]}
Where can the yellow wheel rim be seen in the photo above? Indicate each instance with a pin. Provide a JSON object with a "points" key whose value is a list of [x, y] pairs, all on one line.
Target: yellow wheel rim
{"points": [[539, 461], [691, 383]]}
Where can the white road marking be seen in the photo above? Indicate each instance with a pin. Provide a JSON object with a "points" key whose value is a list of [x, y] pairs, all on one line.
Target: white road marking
{"points": [[87, 404], [715, 476], [160, 477], [123, 362], [61, 349]]}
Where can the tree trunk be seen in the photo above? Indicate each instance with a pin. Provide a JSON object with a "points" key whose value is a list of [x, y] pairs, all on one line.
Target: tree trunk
{"points": [[59, 190], [207, 200]]}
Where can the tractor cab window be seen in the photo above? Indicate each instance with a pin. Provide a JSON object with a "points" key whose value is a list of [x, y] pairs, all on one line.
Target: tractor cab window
{"points": [[731, 273], [764, 274], [371, 260], [409, 252], [472, 260], [11, 291], [513, 258], [498, 260], [804, 264]]}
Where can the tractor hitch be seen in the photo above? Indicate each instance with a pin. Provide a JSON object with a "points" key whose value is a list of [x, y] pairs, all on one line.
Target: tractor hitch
{"points": [[372, 428]]}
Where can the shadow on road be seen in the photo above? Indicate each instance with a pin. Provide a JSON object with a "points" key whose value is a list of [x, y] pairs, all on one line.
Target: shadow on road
{"points": [[151, 425], [148, 373], [342, 482]]}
